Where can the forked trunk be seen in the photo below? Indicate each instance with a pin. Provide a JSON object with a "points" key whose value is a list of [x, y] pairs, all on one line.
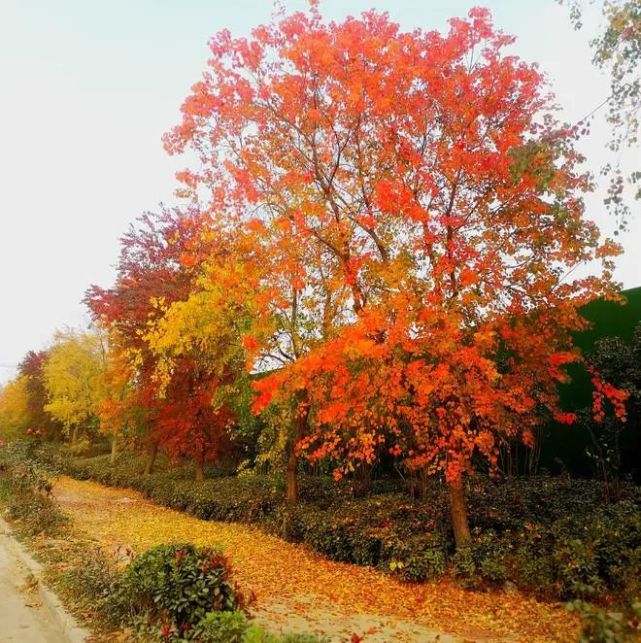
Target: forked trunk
{"points": [[458, 512], [151, 460], [114, 450]]}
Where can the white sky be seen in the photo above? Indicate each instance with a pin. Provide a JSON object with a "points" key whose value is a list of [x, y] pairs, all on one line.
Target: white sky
{"points": [[89, 86]]}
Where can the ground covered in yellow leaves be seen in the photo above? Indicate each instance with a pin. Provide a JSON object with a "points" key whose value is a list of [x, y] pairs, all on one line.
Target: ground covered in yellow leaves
{"points": [[299, 590]]}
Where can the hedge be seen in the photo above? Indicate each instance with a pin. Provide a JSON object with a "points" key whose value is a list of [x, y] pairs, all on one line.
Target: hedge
{"points": [[554, 537]]}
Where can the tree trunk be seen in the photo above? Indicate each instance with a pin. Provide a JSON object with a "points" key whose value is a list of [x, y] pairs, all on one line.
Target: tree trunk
{"points": [[153, 452], [362, 481], [458, 512], [200, 466], [74, 435], [114, 450], [291, 471], [291, 475]]}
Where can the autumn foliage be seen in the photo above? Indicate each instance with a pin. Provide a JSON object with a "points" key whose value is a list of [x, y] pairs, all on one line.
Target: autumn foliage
{"points": [[439, 205], [382, 245], [156, 269]]}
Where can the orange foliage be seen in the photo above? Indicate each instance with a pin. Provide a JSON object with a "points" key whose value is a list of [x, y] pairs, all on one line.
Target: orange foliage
{"points": [[419, 213]]}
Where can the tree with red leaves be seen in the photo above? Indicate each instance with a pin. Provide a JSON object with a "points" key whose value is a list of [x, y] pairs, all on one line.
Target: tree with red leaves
{"points": [[157, 268], [430, 175], [31, 367]]}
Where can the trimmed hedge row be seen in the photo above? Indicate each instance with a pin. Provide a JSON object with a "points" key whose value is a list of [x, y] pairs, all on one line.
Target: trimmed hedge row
{"points": [[553, 537]]}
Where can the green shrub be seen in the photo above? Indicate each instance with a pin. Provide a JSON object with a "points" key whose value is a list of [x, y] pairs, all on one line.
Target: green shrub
{"points": [[28, 501], [80, 448], [223, 627], [577, 566], [172, 588], [256, 634], [464, 567], [247, 499], [607, 626], [490, 553], [92, 579], [617, 532], [234, 627], [417, 559], [366, 547], [37, 514], [329, 537], [531, 566]]}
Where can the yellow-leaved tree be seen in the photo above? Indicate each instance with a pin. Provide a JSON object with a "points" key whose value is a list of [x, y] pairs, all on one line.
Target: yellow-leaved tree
{"points": [[14, 408], [75, 379]]}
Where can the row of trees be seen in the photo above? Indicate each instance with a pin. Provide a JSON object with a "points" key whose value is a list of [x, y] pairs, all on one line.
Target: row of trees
{"points": [[58, 391], [378, 258]]}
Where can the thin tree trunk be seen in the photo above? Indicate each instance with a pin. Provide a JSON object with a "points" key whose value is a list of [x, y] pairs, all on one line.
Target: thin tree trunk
{"points": [[362, 480], [291, 476], [200, 466], [153, 452], [114, 450], [74, 435], [458, 512]]}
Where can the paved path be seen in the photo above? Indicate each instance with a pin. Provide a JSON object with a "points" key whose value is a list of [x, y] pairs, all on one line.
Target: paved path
{"points": [[23, 619]]}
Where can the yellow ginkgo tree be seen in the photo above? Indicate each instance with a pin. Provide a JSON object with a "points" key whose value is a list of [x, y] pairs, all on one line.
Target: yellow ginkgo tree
{"points": [[14, 407], [75, 379]]}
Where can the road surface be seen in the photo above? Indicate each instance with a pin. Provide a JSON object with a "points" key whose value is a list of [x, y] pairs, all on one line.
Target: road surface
{"points": [[23, 619]]}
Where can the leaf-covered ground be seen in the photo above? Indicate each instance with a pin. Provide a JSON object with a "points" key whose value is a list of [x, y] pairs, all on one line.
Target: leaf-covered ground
{"points": [[297, 589]]}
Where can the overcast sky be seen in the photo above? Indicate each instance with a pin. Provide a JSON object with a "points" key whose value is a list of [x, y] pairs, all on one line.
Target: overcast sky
{"points": [[89, 86]]}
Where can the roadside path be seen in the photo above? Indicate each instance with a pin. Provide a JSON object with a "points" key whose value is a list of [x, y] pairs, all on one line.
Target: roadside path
{"points": [[299, 590], [23, 619]]}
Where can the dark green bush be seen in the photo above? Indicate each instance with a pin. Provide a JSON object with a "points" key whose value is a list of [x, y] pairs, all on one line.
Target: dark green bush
{"points": [[490, 555], [231, 499], [617, 530], [173, 587], [247, 499], [328, 535], [577, 565], [464, 567], [530, 566], [416, 559], [257, 635]]}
